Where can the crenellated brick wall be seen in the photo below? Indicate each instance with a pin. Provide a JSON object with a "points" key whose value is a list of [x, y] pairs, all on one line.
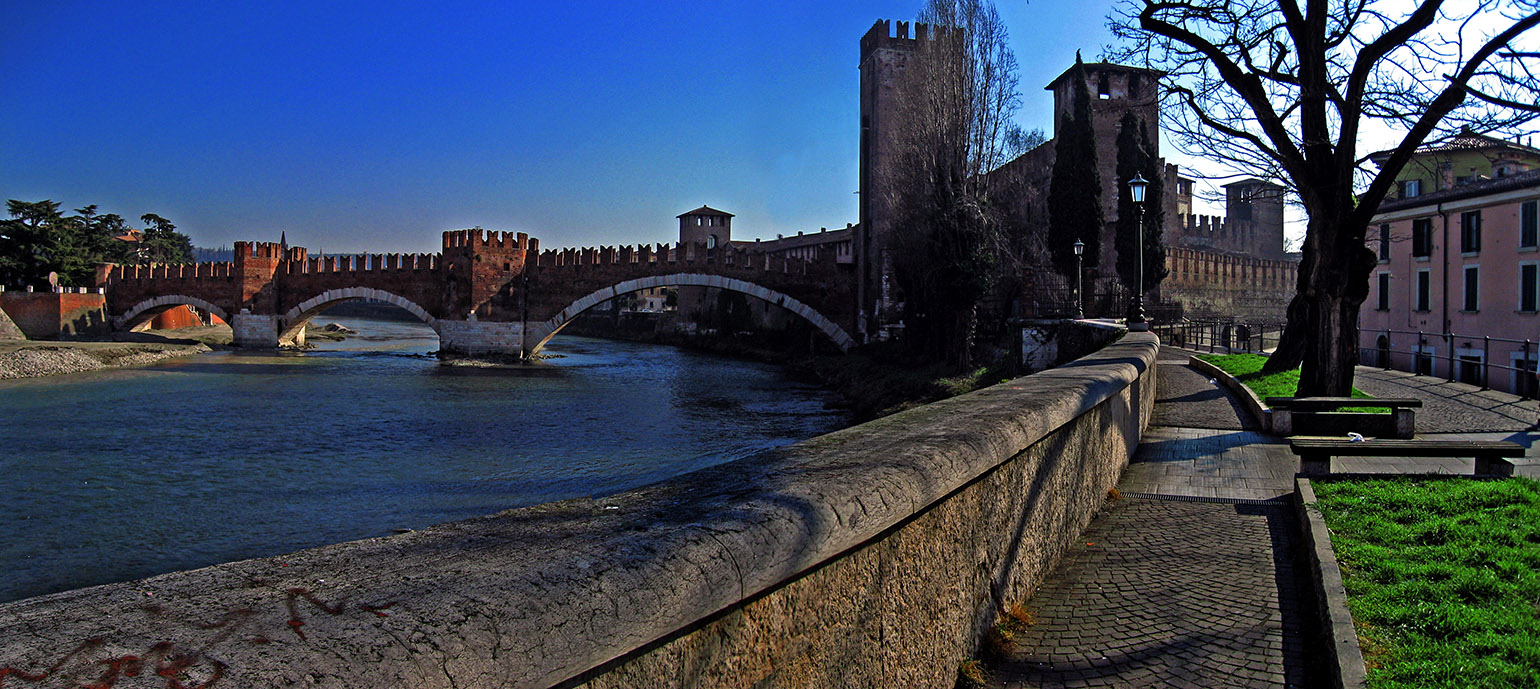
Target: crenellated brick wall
{"points": [[480, 277], [1210, 284]]}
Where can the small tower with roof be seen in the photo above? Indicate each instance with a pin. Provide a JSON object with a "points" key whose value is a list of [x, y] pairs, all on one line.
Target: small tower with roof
{"points": [[711, 228], [706, 225]]}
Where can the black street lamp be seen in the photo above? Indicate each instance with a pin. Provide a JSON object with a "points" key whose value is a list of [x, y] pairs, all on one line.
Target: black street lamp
{"points": [[1079, 280], [1136, 322]]}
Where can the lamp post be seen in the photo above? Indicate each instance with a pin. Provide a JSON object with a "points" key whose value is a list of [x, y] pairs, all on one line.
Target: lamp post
{"points": [[1079, 280], [1136, 322]]}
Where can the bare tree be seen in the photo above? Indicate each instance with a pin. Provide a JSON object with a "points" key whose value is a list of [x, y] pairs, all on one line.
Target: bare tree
{"points": [[957, 98], [1285, 91]]}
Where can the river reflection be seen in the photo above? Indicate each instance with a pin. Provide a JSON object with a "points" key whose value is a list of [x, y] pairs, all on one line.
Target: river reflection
{"points": [[121, 474]]}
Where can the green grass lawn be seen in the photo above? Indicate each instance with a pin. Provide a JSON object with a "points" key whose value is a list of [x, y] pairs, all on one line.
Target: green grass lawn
{"points": [[1247, 368], [1442, 576]]}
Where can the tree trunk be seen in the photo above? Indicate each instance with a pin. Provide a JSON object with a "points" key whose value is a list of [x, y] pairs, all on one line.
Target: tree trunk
{"points": [[1322, 332]]}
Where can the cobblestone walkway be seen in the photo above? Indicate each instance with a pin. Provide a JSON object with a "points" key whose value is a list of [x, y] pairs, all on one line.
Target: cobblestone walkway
{"points": [[1165, 592], [1451, 407], [1187, 581], [1186, 398]]}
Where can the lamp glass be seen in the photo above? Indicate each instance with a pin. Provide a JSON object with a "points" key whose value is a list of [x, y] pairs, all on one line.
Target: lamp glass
{"points": [[1136, 186], [1079, 247]]}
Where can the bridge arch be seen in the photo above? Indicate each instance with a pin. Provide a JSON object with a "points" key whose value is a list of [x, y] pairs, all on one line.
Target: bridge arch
{"points": [[540, 333], [151, 308], [297, 317]]}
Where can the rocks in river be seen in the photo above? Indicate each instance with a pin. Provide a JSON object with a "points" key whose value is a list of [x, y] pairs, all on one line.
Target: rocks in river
{"points": [[331, 332]]}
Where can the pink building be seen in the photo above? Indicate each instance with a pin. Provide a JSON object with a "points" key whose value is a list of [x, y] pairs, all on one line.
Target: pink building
{"points": [[1457, 287]]}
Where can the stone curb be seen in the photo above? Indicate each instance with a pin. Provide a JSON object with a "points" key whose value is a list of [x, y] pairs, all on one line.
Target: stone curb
{"points": [[1253, 404], [1341, 638]]}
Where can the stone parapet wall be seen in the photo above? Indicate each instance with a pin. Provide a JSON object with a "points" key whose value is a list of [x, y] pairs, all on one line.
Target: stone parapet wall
{"points": [[873, 556], [52, 315]]}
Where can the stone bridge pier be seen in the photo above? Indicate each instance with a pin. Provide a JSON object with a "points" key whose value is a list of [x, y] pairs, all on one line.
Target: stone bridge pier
{"points": [[483, 293]]}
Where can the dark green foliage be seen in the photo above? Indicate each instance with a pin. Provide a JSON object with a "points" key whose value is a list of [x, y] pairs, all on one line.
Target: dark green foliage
{"points": [[1136, 156], [1075, 190], [37, 240], [957, 94], [1443, 577], [162, 243]]}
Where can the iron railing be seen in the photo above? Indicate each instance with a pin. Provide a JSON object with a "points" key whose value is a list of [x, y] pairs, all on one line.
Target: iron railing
{"points": [[1220, 336], [1223, 336], [1475, 372]]}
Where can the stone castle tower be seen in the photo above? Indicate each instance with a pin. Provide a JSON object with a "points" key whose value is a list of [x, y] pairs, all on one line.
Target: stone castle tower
{"points": [[885, 52], [1114, 90], [708, 227], [1254, 228]]}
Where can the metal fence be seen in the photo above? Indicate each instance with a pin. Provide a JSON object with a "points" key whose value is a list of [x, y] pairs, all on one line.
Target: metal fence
{"points": [[1466, 358], [1220, 336], [1107, 303]]}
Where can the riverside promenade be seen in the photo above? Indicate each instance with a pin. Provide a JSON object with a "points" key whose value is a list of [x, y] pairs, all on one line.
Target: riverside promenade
{"points": [[1191, 579]]}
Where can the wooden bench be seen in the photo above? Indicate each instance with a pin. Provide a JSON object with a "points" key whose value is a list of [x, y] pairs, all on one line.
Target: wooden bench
{"points": [[1402, 421], [1491, 455]]}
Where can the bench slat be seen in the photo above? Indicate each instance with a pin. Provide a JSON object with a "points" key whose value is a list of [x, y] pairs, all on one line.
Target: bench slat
{"points": [[1408, 448], [1317, 403]]}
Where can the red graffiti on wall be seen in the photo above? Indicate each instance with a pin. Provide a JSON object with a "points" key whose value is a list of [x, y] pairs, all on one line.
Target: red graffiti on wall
{"points": [[175, 662]]}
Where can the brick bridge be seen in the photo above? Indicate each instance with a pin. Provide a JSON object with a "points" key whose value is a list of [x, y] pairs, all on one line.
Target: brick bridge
{"points": [[486, 292]]}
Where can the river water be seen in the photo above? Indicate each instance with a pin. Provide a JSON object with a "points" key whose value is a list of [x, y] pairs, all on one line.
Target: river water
{"points": [[120, 474]]}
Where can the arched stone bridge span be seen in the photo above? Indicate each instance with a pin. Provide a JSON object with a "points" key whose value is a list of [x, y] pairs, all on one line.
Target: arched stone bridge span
{"points": [[485, 292]]}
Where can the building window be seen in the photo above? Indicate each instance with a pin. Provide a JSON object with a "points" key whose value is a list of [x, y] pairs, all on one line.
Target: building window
{"points": [[1472, 366], [1424, 297], [1472, 288], [1529, 287], [1103, 92], [1523, 373], [1384, 296], [1409, 188], [1422, 237], [711, 241], [1422, 362], [1385, 242], [1529, 225], [1470, 232]]}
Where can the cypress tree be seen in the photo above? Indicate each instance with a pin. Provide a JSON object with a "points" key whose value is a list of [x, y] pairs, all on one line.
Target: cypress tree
{"points": [[1075, 190], [1136, 156]]}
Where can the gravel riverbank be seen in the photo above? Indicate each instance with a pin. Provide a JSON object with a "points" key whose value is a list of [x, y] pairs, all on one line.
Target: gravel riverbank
{"points": [[34, 359]]}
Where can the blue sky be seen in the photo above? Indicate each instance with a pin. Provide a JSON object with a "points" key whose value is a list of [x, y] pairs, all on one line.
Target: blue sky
{"points": [[376, 126]]}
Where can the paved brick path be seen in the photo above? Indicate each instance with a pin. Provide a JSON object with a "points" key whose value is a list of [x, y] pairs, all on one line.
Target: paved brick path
{"points": [[1168, 593], [1189, 580], [1451, 407], [1207, 463], [1186, 398]]}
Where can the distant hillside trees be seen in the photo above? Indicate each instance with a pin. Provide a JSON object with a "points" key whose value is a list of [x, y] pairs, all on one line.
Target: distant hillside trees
{"points": [[38, 239]]}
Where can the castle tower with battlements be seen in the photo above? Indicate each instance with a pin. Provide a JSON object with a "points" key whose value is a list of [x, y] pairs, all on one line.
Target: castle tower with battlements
{"points": [[886, 50], [1115, 90], [1253, 230]]}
